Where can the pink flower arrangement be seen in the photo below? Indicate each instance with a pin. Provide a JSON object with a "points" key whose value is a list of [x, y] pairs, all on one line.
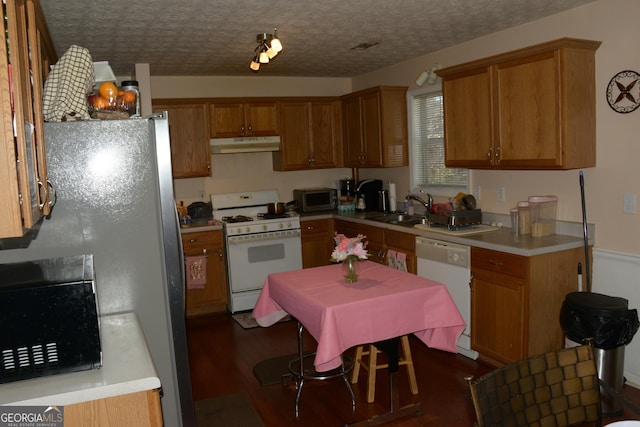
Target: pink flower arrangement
{"points": [[347, 247]]}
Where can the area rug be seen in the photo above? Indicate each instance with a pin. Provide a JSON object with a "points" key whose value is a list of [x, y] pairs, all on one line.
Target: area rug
{"points": [[247, 321], [229, 411], [271, 371]]}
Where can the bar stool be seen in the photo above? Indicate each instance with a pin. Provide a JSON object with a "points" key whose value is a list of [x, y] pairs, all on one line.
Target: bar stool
{"points": [[371, 366]]}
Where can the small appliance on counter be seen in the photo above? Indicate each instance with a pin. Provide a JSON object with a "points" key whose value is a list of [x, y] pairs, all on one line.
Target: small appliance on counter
{"points": [[49, 318], [200, 212], [370, 190], [316, 199]]}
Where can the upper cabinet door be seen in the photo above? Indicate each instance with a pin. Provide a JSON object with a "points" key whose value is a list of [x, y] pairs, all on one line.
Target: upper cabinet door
{"points": [[528, 114], [24, 195], [533, 108], [467, 119], [243, 119], [352, 129], [226, 120], [371, 136], [295, 151], [261, 118], [190, 149], [375, 127], [325, 133], [310, 134]]}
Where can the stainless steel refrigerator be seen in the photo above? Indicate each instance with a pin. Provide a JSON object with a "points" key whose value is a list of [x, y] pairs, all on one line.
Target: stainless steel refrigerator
{"points": [[115, 200]]}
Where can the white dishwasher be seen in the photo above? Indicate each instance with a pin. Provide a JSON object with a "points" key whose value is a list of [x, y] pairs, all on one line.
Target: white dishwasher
{"points": [[449, 264]]}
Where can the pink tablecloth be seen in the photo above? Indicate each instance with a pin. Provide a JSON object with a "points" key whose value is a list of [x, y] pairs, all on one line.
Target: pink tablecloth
{"points": [[384, 303]]}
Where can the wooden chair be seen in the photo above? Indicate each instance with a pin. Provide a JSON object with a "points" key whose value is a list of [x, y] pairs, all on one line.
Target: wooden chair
{"points": [[559, 388], [368, 359]]}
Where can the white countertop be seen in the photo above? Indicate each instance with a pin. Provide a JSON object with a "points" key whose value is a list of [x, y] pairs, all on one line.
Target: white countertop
{"points": [[127, 367], [500, 240]]}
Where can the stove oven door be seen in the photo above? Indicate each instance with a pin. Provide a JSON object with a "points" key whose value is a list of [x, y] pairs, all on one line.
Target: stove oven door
{"points": [[251, 258]]}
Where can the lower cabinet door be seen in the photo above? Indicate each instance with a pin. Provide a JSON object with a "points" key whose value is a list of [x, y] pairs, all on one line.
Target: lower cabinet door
{"points": [[498, 316], [210, 297]]}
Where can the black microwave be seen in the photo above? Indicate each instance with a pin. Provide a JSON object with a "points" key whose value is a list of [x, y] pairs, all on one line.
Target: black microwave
{"points": [[316, 199], [49, 318]]}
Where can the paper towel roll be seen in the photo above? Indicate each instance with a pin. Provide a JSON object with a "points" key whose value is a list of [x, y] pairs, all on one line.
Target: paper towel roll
{"points": [[392, 196]]}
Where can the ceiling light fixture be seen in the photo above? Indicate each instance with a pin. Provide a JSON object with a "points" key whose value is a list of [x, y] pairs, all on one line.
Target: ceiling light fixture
{"points": [[429, 77], [269, 45]]}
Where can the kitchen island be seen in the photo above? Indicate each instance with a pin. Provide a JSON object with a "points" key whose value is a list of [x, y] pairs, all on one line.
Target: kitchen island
{"points": [[124, 391]]}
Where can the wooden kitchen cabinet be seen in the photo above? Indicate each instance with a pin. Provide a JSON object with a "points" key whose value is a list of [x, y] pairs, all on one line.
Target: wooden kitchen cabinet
{"points": [[188, 124], [402, 243], [516, 301], [533, 108], [237, 118], [24, 64], [140, 409], [213, 297], [375, 127], [310, 134], [380, 241], [317, 242]]}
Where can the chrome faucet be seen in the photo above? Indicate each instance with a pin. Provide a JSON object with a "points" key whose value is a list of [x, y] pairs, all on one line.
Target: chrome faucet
{"points": [[427, 205]]}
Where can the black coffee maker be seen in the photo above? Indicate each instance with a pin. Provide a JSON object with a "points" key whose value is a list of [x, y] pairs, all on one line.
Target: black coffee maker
{"points": [[369, 188], [348, 188]]}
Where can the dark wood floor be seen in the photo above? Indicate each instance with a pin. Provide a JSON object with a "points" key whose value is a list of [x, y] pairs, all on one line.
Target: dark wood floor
{"points": [[222, 356]]}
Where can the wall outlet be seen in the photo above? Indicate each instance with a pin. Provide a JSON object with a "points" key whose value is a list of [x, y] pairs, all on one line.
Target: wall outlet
{"points": [[201, 194], [500, 197], [629, 204]]}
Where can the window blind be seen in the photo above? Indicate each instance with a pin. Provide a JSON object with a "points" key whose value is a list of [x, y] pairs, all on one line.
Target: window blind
{"points": [[428, 150]]}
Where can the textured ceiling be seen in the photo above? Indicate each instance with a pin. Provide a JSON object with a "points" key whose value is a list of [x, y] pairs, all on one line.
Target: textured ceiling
{"points": [[218, 37]]}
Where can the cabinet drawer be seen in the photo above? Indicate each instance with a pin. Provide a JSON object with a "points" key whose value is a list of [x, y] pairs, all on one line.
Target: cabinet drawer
{"points": [[400, 240], [195, 242], [499, 262], [314, 226]]}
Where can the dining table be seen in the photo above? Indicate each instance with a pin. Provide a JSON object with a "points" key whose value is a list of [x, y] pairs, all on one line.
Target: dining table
{"points": [[380, 307]]}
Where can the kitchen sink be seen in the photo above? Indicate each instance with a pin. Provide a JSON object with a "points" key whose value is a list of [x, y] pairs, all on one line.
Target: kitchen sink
{"points": [[401, 219]]}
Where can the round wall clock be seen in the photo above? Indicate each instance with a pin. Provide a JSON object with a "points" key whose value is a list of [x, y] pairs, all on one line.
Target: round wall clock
{"points": [[623, 91]]}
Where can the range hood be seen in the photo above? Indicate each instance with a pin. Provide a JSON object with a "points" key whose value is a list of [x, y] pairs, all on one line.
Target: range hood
{"points": [[245, 145]]}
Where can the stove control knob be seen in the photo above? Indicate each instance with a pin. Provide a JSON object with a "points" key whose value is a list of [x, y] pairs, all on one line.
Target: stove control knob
{"points": [[247, 230], [264, 227], [280, 225], [239, 230]]}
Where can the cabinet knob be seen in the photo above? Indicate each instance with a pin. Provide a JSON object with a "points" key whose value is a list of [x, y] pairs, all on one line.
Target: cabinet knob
{"points": [[498, 157], [496, 263]]}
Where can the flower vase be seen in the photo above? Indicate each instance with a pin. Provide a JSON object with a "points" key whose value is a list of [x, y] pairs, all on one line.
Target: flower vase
{"points": [[350, 269]]}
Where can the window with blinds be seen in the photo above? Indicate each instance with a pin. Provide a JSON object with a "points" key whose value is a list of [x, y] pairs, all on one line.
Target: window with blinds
{"points": [[428, 170]]}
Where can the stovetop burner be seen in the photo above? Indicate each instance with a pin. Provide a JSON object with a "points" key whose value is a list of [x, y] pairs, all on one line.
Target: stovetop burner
{"points": [[236, 218]]}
